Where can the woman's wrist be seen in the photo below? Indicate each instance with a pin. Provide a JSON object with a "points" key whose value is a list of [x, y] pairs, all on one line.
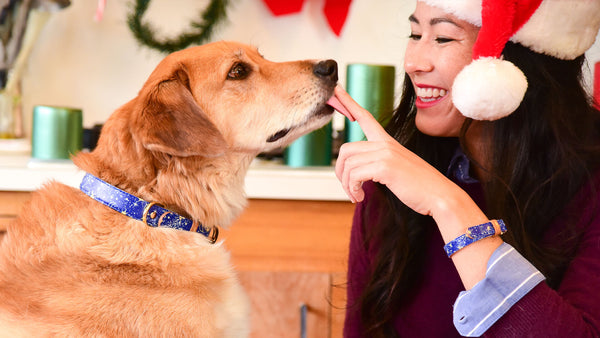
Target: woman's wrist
{"points": [[471, 262], [455, 212]]}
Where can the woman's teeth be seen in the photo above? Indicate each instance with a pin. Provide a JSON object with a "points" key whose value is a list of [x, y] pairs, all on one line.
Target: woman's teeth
{"points": [[430, 94]]}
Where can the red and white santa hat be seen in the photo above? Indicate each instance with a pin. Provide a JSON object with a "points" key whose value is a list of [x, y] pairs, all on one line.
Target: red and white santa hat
{"points": [[490, 88]]}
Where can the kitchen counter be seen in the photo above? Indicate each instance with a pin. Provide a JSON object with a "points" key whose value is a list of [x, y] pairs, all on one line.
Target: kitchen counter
{"points": [[265, 179]]}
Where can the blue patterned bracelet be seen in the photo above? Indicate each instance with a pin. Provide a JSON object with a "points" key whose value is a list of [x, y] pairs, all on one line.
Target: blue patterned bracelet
{"points": [[474, 234]]}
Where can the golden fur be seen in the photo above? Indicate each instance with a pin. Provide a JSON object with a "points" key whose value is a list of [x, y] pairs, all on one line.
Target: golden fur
{"points": [[70, 266]]}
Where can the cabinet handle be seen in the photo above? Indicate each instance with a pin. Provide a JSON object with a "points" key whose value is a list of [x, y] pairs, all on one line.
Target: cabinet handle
{"points": [[303, 312]]}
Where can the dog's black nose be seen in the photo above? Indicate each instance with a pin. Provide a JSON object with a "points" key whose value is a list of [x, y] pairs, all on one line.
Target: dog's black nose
{"points": [[326, 69]]}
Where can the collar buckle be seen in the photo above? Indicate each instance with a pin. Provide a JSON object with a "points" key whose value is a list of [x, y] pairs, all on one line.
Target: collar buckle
{"points": [[152, 214]]}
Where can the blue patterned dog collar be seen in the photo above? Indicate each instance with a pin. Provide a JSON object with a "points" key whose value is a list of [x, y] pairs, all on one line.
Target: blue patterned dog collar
{"points": [[152, 214]]}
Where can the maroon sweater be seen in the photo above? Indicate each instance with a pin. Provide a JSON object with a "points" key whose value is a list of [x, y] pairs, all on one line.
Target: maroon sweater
{"points": [[573, 310]]}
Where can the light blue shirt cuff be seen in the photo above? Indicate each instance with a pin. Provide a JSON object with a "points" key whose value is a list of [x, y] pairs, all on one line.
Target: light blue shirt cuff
{"points": [[508, 278]]}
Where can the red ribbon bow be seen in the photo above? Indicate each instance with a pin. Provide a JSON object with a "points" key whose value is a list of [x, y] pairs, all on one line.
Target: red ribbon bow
{"points": [[335, 11]]}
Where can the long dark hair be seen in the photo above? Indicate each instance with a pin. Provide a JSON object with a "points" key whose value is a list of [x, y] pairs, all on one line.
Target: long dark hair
{"points": [[540, 156]]}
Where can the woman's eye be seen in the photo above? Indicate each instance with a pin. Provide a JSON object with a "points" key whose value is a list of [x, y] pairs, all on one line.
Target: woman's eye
{"points": [[238, 71], [414, 36], [443, 40]]}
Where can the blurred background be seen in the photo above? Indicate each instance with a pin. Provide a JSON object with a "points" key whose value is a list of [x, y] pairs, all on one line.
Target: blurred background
{"points": [[97, 65]]}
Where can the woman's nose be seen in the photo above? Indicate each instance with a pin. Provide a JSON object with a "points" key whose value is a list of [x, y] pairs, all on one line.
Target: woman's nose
{"points": [[417, 58]]}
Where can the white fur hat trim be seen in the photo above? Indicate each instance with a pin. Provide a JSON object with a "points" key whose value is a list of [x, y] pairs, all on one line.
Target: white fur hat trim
{"points": [[467, 10], [564, 29], [488, 89]]}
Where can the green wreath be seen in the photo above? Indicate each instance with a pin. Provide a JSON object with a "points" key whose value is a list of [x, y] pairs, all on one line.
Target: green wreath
{"points": [[200, 31]]}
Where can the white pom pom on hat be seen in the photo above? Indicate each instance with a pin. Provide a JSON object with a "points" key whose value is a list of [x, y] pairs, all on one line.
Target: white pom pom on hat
{"points": [[488, 89], [491, 88]]}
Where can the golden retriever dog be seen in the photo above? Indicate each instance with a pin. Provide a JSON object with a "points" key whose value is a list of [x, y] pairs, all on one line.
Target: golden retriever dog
{"points": [[72, 265]]}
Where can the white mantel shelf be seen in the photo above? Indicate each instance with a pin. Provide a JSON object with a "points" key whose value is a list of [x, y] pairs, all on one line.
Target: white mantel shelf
{"points": [[265, 180]]}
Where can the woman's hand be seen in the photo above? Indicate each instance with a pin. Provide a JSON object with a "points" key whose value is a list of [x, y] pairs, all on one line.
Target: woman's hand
{"points": [[416, 183], [382, 159]]}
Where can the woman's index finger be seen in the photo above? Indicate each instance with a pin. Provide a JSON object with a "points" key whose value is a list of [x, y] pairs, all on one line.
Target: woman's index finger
{"points": [[369, 125]]}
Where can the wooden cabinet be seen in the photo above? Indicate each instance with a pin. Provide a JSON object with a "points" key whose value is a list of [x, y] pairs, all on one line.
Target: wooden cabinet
{"points": [[285, 304], [299, 249], [288, 253]]}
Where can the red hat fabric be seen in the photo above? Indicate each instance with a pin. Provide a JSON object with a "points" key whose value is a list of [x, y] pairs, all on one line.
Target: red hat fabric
{"points": [[490, 88], [500, 20], [336, 11]]}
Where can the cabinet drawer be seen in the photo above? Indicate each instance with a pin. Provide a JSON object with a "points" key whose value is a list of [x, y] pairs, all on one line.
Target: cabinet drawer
{"points": [[277, 297], [287, 235]]}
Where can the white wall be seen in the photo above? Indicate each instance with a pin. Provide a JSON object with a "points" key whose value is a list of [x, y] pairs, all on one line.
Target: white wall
{"points": [[98, 66]]}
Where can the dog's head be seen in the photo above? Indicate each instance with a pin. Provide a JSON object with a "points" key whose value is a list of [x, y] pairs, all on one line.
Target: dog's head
{"points": [[225, 97]]}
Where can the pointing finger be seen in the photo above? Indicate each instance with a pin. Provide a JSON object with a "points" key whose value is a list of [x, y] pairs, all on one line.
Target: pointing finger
{"points": [[369, 125]]}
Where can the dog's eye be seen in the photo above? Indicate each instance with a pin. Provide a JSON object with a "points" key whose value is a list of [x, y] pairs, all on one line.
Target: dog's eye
{"points": [[238, 71]]}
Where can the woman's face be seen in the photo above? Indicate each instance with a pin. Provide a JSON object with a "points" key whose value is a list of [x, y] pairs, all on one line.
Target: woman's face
{"points": [[439, 47]]}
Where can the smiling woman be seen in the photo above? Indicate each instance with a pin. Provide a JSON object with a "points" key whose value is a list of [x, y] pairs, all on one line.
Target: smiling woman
{"points": [[510, 190], [439, 47]]}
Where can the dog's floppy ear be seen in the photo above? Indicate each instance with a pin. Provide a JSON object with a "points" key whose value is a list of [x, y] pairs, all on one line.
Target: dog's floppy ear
{"points": [[172, 121]]}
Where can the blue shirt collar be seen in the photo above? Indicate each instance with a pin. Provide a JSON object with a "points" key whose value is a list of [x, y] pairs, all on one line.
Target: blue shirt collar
{"points": [[459, 167]]}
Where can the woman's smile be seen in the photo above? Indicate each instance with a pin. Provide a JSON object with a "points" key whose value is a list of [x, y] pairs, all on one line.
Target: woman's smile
{"points": [[429, 96]]}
